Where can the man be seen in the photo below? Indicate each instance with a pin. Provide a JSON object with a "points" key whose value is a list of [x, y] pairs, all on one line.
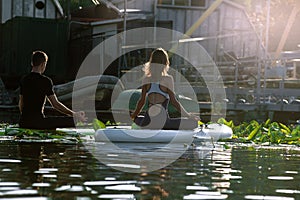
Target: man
{"points": [[35, 88]]}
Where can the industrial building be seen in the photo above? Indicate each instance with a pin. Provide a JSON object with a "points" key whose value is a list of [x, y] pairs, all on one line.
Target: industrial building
{"points": [[250, 71]]}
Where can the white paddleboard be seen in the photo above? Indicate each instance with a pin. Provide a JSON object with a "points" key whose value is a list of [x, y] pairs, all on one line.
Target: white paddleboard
{"points": [[126, 134]]}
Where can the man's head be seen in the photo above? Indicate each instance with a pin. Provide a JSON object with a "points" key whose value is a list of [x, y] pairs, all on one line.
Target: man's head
{"points": [[39, 60]]}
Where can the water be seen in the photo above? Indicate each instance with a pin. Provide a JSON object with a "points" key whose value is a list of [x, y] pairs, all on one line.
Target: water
{"points": [[70, 171]]}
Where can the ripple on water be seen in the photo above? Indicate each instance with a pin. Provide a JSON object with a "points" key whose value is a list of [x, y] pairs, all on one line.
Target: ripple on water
{"points": [[196, 187], [19, 192], [286, 191], [126, 187], [205, 196], [280, 178], [291, 172], [121, 165], [262, 197], [99, 183], [9, 184], [41, 185], [49, 176], [75, 176], [29, 198], [46, 170], [70, 188], [6, 170], [10, 161], [117, 196]]}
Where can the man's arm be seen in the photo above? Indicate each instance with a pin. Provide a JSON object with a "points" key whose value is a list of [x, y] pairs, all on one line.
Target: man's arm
{"points": [[59, 106], [80, 116]]}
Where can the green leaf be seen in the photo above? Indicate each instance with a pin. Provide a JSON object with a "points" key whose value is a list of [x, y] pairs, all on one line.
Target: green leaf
{"points": [[291, 138], [135, 126], [264, 138], [12, 131], [285, 128], [221, 120], [97, 124], [267, 122], [226, 146], [200, 123], [253, 133], [296, 131], [225, 122]]}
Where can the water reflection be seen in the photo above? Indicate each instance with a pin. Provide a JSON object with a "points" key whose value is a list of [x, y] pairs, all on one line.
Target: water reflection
{"points": [[135, 157], [61, 171], [263, 171]]}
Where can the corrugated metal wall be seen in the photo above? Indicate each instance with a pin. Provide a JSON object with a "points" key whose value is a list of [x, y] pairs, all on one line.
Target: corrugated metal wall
{"points": [[227, 28]]}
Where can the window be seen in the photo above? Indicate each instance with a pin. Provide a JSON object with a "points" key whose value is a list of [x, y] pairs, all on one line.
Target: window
{"points": [[198, 3], [165, 2], [183, 3]]}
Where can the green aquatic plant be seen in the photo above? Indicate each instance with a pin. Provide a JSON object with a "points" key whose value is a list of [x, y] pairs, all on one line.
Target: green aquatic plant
{"points": [[227, 123], [3, 125], [267, 132], [97, 124], [39, 135], [16, 133]]}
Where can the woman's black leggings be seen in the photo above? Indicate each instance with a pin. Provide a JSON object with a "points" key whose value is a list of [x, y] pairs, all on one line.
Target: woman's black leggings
{"points": [[163, 121]]}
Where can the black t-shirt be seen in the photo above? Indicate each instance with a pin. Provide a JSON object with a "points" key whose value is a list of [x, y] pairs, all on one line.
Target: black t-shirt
{"points": [[35, 87]]}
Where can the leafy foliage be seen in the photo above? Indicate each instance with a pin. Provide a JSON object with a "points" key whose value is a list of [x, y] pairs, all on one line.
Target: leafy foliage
{"points": [[14, 133], [39, 135], [266, 132], [97, 124]]}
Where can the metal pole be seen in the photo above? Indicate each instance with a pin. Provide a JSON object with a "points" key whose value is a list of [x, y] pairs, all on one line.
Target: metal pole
{"points": [[155, 21], [267, 26], [68, 10], [259, 66], [266, 48], [123, 62], [125, 23]]}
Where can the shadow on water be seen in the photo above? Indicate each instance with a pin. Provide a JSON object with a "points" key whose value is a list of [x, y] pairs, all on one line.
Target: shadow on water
{"points": [[64, 171], [9, 114]]}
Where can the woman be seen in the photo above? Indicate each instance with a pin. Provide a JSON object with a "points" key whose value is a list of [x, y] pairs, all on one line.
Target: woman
{"points": [[158, 86]]}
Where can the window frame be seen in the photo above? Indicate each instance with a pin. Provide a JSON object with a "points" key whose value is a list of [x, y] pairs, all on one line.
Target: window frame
{"points": [[189, 6]]}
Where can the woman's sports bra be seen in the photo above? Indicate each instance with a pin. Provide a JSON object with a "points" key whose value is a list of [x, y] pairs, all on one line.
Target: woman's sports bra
{"points": [[154, 88]]}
